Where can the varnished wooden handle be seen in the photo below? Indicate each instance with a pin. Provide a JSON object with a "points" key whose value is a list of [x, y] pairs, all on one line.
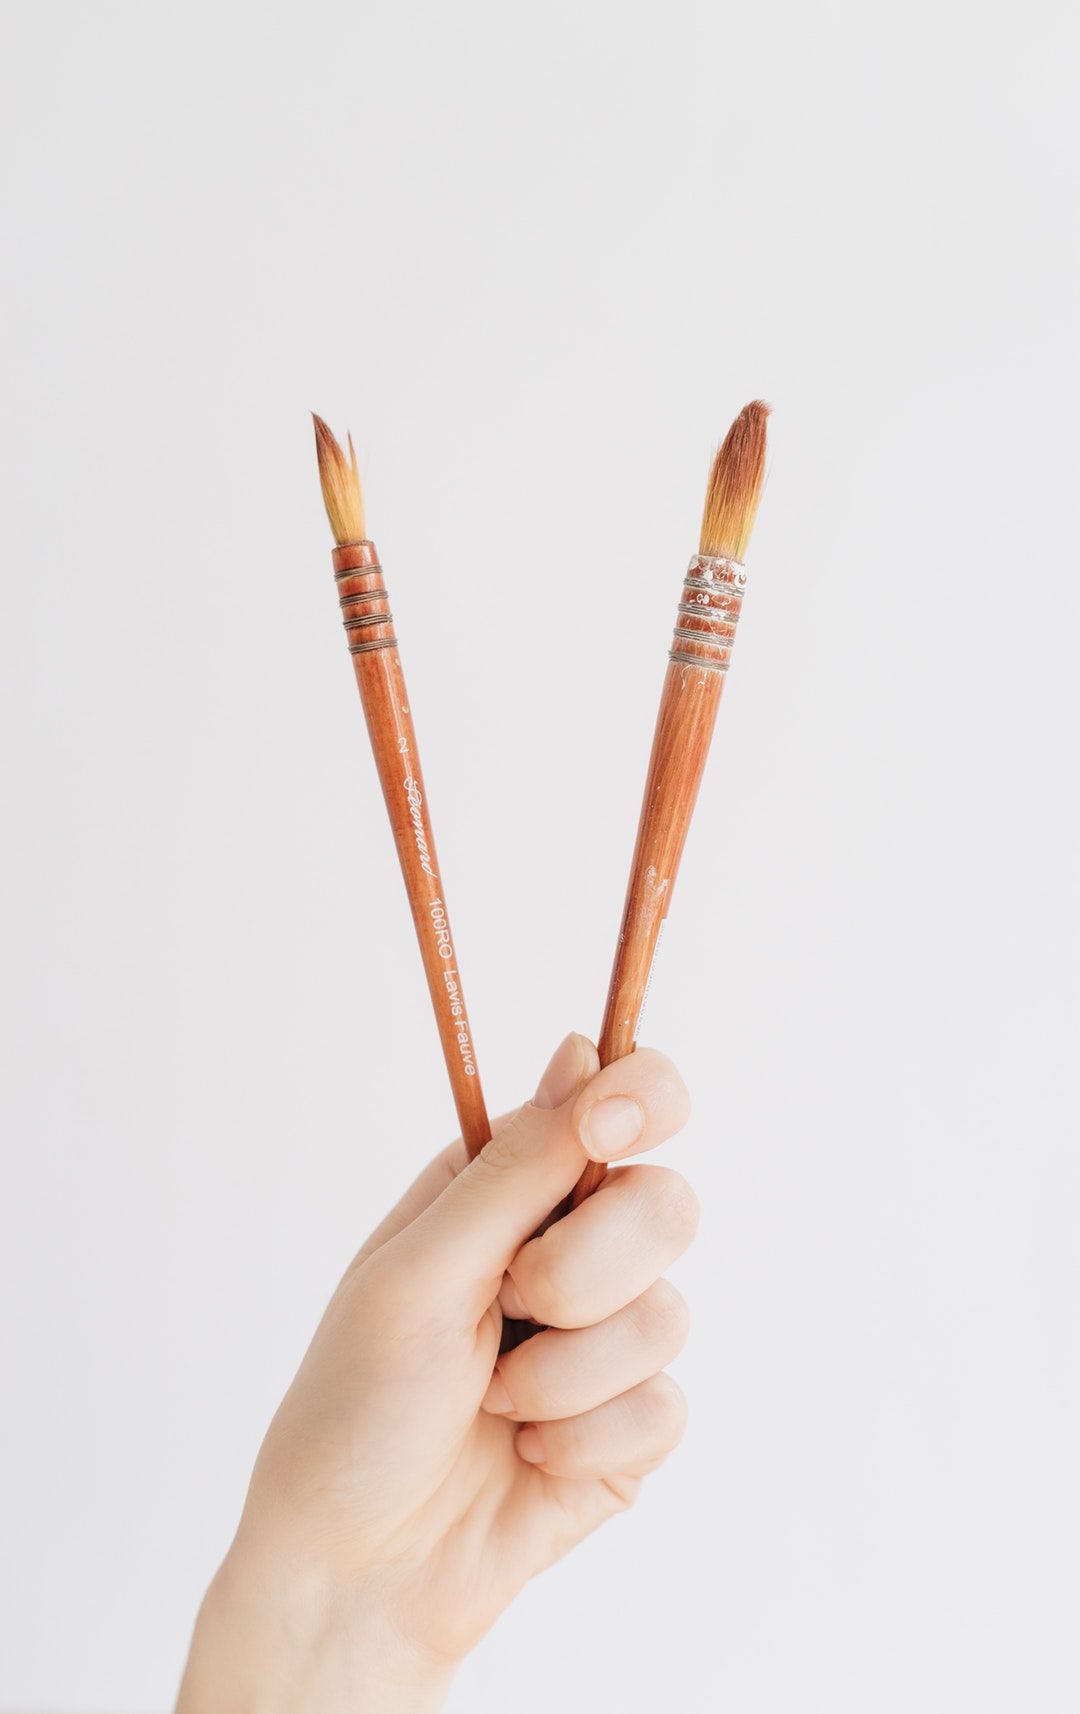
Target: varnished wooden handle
{"points": [[370, 632], [693, 686]]}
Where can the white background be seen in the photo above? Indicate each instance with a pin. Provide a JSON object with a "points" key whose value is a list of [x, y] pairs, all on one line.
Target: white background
{"points": [[537, 258]]}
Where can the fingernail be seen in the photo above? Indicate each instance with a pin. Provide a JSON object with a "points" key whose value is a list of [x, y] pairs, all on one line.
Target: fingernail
{"points": [[611, 1127], [497, 1400], [528, 1444], [561, 1077]]}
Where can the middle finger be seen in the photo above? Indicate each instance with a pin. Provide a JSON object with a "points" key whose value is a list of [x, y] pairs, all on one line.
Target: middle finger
{"points": [[608, 1251], [563, 1373]]}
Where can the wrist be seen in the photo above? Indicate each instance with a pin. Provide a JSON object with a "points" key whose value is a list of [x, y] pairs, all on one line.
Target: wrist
{"points": [[271, 1640]]}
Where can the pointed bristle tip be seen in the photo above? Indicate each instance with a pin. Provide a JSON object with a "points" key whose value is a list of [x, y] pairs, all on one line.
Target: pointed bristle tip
{"points": [[340, 482], [738, 470]]}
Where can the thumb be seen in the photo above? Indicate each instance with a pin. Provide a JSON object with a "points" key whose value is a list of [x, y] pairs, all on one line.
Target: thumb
{"points": [[459, 1248]]}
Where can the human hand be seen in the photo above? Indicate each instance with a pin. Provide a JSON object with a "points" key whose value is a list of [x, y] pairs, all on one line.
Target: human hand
{"points": [[412, 1480]]}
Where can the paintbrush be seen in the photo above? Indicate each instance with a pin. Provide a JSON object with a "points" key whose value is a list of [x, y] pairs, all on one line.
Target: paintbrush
{"points": [[698, 661], [369, 630]]}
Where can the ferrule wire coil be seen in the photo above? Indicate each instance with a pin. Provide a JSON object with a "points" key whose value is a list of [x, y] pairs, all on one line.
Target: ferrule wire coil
{"points": [[365, 609], [713, 590]]}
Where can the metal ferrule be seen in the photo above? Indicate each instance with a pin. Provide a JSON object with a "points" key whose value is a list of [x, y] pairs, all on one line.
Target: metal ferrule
{"points": [[713, 589], [365, 609]]}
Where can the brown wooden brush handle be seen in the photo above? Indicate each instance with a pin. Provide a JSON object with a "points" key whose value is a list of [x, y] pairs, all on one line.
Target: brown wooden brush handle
{"points": [[697, 666], [369, 629]]}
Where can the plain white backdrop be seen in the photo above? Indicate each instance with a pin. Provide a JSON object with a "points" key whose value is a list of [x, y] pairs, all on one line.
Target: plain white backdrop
{"points": [[536, 259]]}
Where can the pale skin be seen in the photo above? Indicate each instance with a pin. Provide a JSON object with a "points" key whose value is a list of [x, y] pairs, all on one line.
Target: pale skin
{"points": [[412, 1480]]}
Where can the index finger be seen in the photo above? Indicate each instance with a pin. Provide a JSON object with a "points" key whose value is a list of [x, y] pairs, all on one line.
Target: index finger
{"points": [[423, 1191]]}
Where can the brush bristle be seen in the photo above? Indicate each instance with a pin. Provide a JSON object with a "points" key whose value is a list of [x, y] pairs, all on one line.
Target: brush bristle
{"points": [[738, 471], [340, 481]]}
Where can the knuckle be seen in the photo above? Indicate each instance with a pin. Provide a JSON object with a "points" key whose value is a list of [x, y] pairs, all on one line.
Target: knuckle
{"points": [[666, 1076], [676, 1209], [543, 1400], [661, 1317], [506, 1147], [388, 1304], [532, 1381], [540, 1280], [624, 1490], [380, 1291], [579, 1442], [667, 1404]]}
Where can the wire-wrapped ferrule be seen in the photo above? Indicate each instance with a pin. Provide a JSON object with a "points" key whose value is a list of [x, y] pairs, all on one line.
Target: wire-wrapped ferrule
{"points": [[713, 590], [365, 610]]}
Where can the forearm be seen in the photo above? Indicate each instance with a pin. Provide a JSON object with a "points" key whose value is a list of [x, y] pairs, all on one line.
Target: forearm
{"points": [[263, 1647]]}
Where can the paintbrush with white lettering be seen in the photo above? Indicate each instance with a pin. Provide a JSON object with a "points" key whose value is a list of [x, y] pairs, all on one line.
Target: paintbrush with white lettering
{"points": [[369, 631], [712, 598]]}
